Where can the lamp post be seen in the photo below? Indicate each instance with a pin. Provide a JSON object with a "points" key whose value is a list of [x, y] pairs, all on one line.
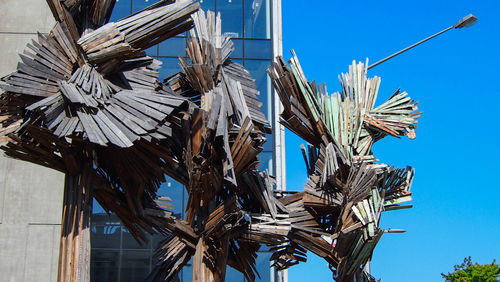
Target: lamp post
{"points": [[464, 22]]}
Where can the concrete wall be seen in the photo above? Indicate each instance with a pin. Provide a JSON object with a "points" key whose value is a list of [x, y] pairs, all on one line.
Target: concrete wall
{"points": [[30, 195]]}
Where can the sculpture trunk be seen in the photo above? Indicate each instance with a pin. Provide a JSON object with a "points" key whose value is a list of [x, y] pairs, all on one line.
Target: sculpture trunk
{"points": [[74, 250], [210, 269]]}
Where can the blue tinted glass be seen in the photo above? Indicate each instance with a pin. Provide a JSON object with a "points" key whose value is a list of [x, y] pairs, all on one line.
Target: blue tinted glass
{"points": [[174, 190], [207, 5], [138, 5], [257, 19], [187, 271], [239, 61], [257, 69], [268, 146], [238, 48], [158, 240], [121, 10], [129, 242], [234, 275], [231, 15], [258, 49], [173, 47], [135, 265], [104, 265], [170, 67], [105, 236], [96, 208], [152, 51], [100, 217], [266, 162], [263, 266]]}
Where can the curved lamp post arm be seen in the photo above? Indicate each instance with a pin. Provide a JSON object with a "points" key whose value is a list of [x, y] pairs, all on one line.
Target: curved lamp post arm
{"points": [[464, 22]]}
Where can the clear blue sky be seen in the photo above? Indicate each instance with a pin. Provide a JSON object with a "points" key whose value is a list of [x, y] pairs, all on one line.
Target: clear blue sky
{"points": [[456, 154]]}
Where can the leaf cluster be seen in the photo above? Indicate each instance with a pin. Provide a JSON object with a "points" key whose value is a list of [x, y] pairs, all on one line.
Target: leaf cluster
{"points": [[468, 271]]}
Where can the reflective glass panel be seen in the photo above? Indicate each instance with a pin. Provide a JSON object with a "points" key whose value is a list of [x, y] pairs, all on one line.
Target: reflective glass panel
{"points": [[207, 5], [169, 67], [104, 265], [129, 242], [158, 240], [238, 48], [187, 271], [234, 275], [100, 217], [121, 10], [239, 61], [138, 5], [172, 47], [258, 49], [174, 190], [231, 15], [257, 19], [266, 162], [268, 146], [263, 265], [135, 265], [257, 69], [105, 236], [152, 51]]}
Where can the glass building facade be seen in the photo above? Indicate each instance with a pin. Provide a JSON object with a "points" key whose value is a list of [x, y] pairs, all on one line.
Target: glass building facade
{"points": [[251, 24]]}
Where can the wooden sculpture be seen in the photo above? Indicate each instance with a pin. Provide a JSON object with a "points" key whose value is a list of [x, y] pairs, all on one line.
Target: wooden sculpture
{"points": [[337, 216], [86, 101]]}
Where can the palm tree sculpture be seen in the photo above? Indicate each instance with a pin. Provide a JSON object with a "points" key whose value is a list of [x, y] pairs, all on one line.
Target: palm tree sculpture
{"points": [[86, 101]]}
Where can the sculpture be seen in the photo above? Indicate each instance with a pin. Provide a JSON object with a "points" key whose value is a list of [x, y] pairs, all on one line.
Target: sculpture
{"points": [[86, 101]]}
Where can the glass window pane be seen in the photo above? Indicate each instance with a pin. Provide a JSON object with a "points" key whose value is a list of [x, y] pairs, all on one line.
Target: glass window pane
{"points": [[104, 265], [231, 15], [239, 61], [257, 69], [104, 219], [105, 236], [234, 275], [169, 67], [152, 51], [268, 146], [257, 19], [266, 162], [158, 240], [187, 271], [129, 242], [258, 49], [135, 265], [173, 47], [238, 48], [263, 265], [207, 5], [174, 190], [138, 5], [100, 217], [121, 10]]}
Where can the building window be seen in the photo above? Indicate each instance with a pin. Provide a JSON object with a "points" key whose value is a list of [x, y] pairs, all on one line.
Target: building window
{"points": [[257, 19]]}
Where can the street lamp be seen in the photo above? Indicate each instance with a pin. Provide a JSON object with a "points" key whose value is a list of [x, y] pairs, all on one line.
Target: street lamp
{"points": [[464, 22]]}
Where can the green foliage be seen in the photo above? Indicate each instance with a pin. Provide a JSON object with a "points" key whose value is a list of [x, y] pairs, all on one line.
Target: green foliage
{"points": [[467, 271]]}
